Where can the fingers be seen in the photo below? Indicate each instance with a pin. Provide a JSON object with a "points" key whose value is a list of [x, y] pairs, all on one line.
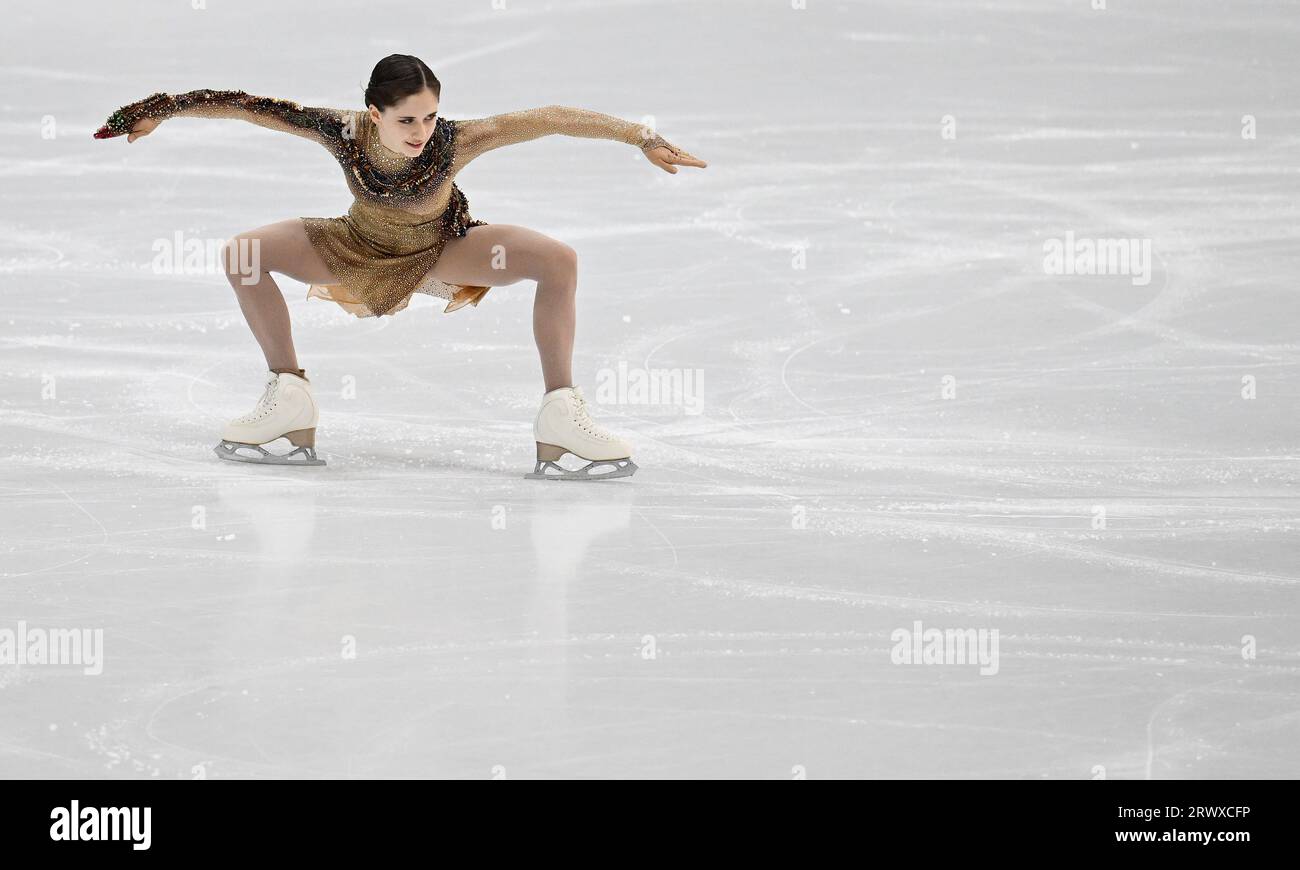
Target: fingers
{"points": [[106, 132], [679, 157], [663, 163], [685, 158]]}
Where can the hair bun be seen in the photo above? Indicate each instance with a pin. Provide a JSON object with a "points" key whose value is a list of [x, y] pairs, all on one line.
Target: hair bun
{"points": [[397, 77]]}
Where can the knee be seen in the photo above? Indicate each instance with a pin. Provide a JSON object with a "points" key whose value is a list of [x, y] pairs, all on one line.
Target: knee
{"points": [[561, 264]]}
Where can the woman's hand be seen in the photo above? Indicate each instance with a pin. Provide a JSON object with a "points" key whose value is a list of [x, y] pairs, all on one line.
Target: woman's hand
{"points": [[143, 127], [137, 119], [668, 156]]}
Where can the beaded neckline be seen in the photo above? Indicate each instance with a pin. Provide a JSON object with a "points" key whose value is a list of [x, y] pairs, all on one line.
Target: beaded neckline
{"points": [[403, 176]]}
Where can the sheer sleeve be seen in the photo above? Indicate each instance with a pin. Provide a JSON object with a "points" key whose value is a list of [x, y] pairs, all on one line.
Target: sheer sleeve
{"points": [[480, 135], [326, 126]]}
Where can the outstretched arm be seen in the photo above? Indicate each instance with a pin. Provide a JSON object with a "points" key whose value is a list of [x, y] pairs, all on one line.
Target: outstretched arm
{"points": [[325, 126], [480, 135]]}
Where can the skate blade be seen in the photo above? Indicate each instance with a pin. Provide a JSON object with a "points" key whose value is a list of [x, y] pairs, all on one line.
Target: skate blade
{"points": [[620, 468], [298, 456]]}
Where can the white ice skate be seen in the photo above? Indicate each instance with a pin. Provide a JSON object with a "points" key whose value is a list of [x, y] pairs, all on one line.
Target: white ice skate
{"points": [[286, 410], [564, 426]]}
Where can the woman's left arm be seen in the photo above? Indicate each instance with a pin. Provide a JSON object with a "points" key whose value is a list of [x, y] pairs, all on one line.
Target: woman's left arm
{"points": [[480, 135]]}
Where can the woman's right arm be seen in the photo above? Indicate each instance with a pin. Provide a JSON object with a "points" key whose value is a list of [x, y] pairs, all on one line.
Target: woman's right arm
{"points": [[326, 126]]}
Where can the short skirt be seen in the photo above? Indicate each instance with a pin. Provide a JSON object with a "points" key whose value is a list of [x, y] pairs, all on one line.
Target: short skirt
{"points": [[380, 256]]}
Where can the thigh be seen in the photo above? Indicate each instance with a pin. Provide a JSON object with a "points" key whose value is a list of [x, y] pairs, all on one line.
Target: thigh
{"points": [[283, 247], [497, 254]]}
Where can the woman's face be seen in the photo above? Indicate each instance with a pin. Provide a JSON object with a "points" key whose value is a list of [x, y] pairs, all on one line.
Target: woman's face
{"points": [[407, 126]]}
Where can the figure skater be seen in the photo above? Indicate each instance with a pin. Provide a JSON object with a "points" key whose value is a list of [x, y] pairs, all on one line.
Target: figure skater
{"points": [[408, 231]]}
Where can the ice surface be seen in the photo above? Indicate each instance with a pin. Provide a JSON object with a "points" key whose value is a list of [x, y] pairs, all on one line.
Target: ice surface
{"points": [[729, 610]]}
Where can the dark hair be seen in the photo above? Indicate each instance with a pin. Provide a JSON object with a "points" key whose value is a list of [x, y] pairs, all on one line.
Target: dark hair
{"points": [[397, 77]]}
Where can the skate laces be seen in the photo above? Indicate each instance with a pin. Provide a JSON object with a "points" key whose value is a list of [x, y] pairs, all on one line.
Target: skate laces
{"points": [[265, 403], [583, 419]]}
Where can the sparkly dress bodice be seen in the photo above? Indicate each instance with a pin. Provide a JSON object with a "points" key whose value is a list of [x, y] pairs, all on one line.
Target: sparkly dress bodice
{"points": [[421, 185]]}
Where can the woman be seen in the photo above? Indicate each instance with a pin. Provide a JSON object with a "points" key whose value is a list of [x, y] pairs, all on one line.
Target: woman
{"points": [[408, 231]]}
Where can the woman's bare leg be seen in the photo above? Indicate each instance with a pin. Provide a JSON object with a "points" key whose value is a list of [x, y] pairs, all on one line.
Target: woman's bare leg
{"points": [[501, 254], [250, 258]]}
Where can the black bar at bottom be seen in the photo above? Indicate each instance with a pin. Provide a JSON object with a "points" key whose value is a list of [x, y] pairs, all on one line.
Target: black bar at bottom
{"points": [[338, 819]]}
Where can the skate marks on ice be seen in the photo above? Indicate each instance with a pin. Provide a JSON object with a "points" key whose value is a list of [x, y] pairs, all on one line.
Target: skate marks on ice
{"points": [[39, 549], [254, 715], [548, 684]]}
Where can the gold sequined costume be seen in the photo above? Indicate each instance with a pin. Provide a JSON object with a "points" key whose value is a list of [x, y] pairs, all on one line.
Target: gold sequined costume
{"points": [[404, 208]]}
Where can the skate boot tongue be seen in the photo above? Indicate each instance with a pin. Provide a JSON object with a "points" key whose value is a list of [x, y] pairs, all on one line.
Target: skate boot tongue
{"points": [[583, 418], [268, 396], [579, 400]]}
